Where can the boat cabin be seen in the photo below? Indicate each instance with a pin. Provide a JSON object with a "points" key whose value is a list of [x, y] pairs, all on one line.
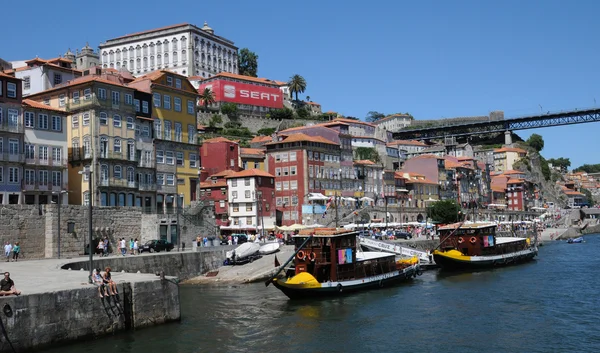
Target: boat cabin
{"points": [[478, 239], [330, 255]]}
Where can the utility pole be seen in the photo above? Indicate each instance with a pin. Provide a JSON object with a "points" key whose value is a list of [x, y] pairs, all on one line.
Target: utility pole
{"points": [[337, 204]]}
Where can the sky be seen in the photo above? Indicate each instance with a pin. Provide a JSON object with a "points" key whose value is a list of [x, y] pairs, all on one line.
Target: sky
{"points": [[432, 59]]}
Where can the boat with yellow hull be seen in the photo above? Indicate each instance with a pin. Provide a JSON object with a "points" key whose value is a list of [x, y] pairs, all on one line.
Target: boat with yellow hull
{"points": [[329, 263], [475, 246]]}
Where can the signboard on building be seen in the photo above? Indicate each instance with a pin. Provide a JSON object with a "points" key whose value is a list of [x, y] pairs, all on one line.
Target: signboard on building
{"points": [[245, 93]]}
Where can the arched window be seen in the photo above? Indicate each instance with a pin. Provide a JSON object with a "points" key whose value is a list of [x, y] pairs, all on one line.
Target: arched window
{"points": [[174, 57], [138, 50], [118, 52], [166, 59], [174, 44], [104, 173], [117, 145], [130, 175], [117, 172], [121, 200]]}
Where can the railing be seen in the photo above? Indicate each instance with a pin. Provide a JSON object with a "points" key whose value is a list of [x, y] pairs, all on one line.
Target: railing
{"points": [[117, 155], [143, 163], [46, 162], [11, 157], [124, 183], [36, 186], [146, 187], [143, 139], [169, 189], [15, 128], [78, 155], [82, 103]]}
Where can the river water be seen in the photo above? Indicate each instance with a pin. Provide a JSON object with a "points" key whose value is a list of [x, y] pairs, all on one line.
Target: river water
{"points": [[550, 305]]}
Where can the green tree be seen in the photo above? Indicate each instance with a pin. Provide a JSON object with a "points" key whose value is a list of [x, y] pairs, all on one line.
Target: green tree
{"points": [[207, 97], [536, 142], [303, 113], [248, 63], [445, 211], [588, 196], [215, 120], [282, 114], [545, 168], [562, 163], [367, 153], [588, 168], [266, 131], [374, 116], [297, 85], [230, 109]]}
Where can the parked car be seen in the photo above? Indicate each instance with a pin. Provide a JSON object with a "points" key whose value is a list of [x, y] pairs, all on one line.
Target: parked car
{"points": [[157, 246], [402, 235], [242, 238]]}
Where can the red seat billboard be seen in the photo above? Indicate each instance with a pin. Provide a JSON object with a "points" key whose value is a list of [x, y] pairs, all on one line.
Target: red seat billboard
{"points": [[245, 93]]}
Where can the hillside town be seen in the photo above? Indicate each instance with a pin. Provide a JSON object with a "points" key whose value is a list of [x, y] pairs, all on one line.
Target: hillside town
{"points": [[163, 120]]}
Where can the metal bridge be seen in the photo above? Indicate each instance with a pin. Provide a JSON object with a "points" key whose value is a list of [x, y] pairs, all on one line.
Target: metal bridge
{"points": [[495, 126]]}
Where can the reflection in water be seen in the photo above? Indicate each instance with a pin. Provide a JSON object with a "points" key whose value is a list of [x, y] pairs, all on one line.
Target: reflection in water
{"points": [[546, 306]]}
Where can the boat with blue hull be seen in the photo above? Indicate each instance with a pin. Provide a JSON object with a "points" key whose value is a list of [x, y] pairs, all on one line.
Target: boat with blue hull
{"points": [[329, 262], [475, 246], [575, 240]]}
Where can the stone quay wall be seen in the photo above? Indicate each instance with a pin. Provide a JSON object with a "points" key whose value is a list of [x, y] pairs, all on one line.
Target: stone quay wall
{"points": [[46, 319], [254, 122]]}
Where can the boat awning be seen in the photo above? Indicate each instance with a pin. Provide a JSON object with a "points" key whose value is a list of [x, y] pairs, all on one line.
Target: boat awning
{"points": [[238, 227], [366, 199], [316, 196]]}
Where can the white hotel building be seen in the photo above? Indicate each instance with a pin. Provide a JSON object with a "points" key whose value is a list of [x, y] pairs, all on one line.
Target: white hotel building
{"points": [[183, 48]]}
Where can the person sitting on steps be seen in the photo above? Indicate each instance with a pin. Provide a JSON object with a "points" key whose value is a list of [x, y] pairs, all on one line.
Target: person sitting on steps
{"points": [[97, 279], [7, 286], [107, 280]]}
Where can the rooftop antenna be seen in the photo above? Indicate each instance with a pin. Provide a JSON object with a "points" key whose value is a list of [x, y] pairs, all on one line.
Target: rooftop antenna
{"points": [[541, 109]]}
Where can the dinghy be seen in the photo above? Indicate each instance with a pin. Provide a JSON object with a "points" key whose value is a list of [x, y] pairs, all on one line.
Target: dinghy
{"points": [[243, 251], [269, 248]]}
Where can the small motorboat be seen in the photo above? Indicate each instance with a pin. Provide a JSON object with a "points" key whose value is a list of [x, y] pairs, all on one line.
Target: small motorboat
{"points": [[575, 240], [243, 251], [269, 248]]}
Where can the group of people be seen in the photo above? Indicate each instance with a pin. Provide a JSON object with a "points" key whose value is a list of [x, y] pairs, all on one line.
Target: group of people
{"points": [[134, 246], [106, 286], [12, 251]]}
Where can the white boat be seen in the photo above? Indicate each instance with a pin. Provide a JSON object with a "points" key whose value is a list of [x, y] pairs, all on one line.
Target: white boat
{"points": [[243, 251], [269, 248]]}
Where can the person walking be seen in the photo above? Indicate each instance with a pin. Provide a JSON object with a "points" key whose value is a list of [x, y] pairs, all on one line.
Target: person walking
{"points": [[7, 250], [123, 247], [16, 250], [136, 247], [105, 250], [131, 245]]}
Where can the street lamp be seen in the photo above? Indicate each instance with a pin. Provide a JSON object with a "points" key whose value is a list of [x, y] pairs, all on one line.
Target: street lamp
{"points": [[179, 204], [59, 201], [384, 198], [89, 174]]}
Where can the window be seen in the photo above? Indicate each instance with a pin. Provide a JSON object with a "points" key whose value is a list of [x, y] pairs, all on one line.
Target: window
{"points": [[117, 146], [167, 130], [43, 121], [234, 182], [249, 207], [169, 81], [277, 172], [56, 123], [11, 90], [222, 203], [61, 100], [178, 132], [234, 195], [146, 131], [102, 93], [103, 118], [193, 160], [29, 119], [247, 194], [170, 179], [145, 107], [29, 151], [177, 103], [136, 103], [284, 157], [87, 94], [116, 120], [87, 147], [76, 97], [191, 134], [57, 78], [75, 145], [169, 157], [117, 172], [30, 177], [43, 177], [160, 179], [294, 185], [167, 102], [56, 178], [278, 186], [86, 119], [13, 175], [128, 99], [26, 82], [236, 207], [158, 129], [56, 155], [293, 170], [130, 123], [156, 99], [286, 185], [178, 83], [86, 198], [285, 171], [190, 107], [116, 97], [179, 157], [292, 156]]}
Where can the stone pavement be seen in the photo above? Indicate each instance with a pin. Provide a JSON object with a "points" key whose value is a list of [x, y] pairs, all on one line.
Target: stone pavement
{"points": [[42, 276]]}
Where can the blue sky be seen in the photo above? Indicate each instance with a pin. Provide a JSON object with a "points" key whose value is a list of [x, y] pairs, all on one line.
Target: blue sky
{"points": [[433, 59]]}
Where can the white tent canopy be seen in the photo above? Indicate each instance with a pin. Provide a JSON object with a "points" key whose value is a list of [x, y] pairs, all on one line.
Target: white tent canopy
{"points": [[315, 196]]}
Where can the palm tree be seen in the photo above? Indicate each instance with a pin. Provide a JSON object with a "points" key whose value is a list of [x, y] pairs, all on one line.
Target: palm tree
{"points": [[297, 85], [207, 97], [308, 98]]}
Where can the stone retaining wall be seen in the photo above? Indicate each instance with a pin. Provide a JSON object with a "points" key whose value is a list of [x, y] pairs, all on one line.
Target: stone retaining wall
{"points": [[46, 319]]}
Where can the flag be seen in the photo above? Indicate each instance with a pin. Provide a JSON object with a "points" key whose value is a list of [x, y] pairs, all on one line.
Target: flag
{"points": [[277, 264], [328, 203]]}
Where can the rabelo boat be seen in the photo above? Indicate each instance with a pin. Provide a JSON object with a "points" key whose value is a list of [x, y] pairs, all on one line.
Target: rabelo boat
{"points": [[329, 262]]}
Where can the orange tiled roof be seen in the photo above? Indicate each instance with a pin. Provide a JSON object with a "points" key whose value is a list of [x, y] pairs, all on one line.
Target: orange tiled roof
{"points": [[259, 152], [250, 173], [465, 158], [218, 139], [8, 76], [498, 188], [407, 143], [210, 184], [300, 137], [313, 103], [514, 181], [364, 162], [259, 139], [222, 173], [351, 121], [79, 81], [244, 78], [38, 105], [511, 172], [510, 149]]}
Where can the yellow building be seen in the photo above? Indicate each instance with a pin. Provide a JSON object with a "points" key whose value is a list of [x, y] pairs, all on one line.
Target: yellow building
{"points": [[175, 136], [108, 132], [505, 157], [253, 158]]}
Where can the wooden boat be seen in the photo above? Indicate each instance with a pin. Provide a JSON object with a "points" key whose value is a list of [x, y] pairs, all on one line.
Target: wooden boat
{"points": [[575, 240], [269, 248], [475, 246], [329, 262]]}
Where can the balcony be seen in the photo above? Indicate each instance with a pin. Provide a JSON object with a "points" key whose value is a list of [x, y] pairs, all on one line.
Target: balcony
{"points": [[12, 157], [166, 189], [78, 155], [82, 103], [36, 186], [146, 163], [13, 128], [143, 139], [46, 162], [147, 187], [121, 183], [117, 155]]}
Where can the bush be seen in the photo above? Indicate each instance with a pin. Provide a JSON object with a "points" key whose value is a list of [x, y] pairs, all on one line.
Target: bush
{"points": [[266, 131]]}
